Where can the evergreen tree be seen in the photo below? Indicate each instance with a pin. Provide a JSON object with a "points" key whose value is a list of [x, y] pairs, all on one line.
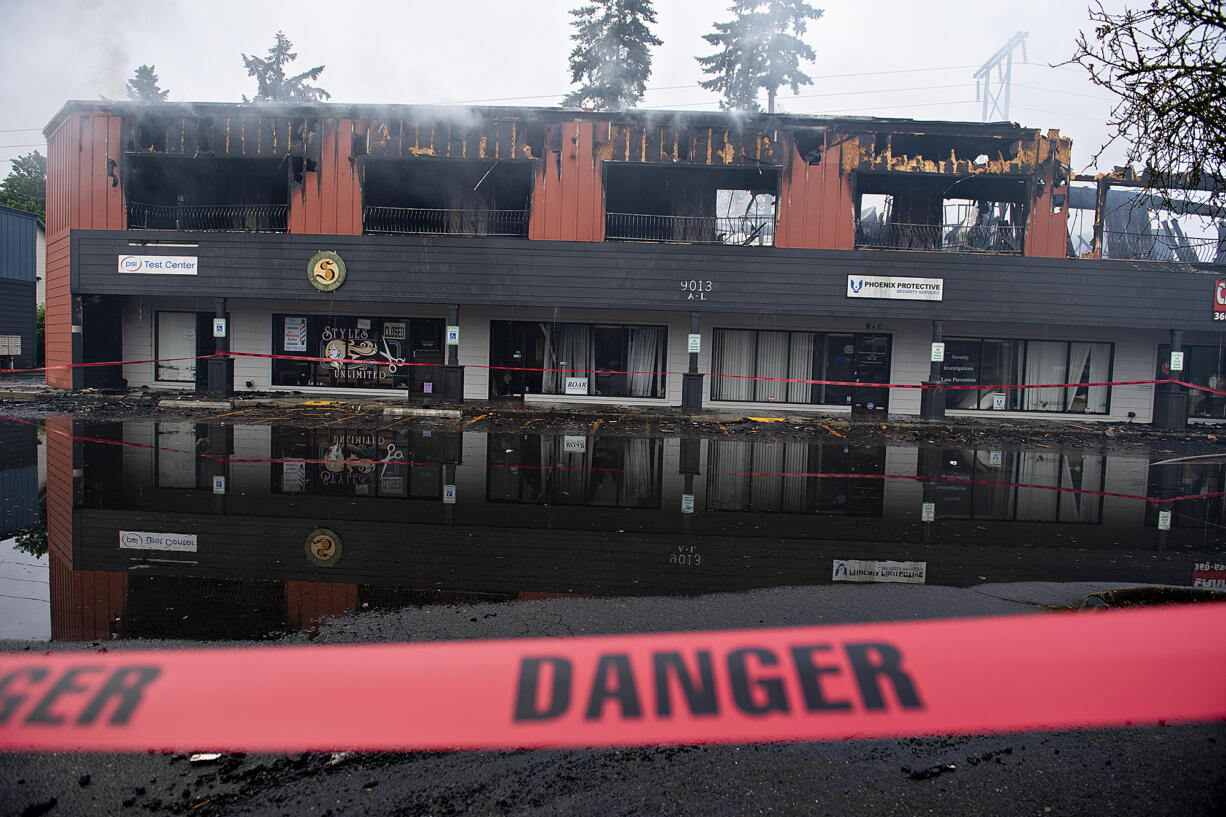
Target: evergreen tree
{"points": [[25, 187], [612, 57], [143, 87], [272, 85], [759, 48]]}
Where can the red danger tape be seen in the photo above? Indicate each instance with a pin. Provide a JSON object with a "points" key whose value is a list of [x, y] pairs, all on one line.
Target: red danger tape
{"points": [[798, 684], [393, 364]]}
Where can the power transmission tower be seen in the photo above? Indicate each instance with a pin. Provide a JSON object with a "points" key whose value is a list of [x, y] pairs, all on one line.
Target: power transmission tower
{"points": [[996, 99]]}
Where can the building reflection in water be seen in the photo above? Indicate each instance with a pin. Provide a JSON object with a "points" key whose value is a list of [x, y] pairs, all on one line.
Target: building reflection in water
{"points": [[314, 522]]}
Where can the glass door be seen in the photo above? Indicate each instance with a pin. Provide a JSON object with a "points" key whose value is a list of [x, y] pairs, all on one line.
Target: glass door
{"points": [[872, 366]]}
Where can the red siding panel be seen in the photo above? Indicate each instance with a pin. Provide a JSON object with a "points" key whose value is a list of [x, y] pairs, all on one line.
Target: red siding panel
{"points": [[816, 207], [567, 194], [59, 311], [306, 602]]}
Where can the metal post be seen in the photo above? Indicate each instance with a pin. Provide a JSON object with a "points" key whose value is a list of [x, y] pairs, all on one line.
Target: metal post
{"points": [[691, 381], [220, 370], [453, 372], [932, 401]]}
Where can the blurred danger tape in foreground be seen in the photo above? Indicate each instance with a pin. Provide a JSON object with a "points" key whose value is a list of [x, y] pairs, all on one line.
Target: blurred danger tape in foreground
{"points": [[1018, 673]]}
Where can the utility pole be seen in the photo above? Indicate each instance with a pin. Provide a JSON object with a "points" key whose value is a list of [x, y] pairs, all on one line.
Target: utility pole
{"points": [[996, 99]]}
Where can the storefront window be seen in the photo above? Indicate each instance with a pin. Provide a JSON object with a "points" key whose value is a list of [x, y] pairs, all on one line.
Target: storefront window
{"points": [[1063, 370], [1031, 486], [1001, 363], [379, 353], [1203, 366], [542, 469], [602, 360], [776, 357], [347, 462], [775, 366], [961, 368], [783, 477]]}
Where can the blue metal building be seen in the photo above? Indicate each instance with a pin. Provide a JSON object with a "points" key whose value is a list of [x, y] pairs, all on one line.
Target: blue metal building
{"points": [[18, 262]]}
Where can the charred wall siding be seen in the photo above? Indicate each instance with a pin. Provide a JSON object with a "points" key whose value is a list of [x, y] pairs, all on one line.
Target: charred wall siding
{"points": [[754, 280]]}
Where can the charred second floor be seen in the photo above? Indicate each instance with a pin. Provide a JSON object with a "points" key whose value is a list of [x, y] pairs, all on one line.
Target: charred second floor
{"points": [[553, 174]]}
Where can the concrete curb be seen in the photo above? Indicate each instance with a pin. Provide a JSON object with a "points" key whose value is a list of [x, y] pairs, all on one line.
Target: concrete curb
{"points": [[195, 404], [407, 411]]}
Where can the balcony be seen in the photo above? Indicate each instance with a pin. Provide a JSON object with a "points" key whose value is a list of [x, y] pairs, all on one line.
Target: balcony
{"points": [[996, 239], [1163, 246], [745, 230], [434, 221], [259, 218]]}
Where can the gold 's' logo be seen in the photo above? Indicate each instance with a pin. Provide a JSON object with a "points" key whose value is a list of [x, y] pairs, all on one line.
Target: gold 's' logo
{"points": [[323, 547], [326, 271]]}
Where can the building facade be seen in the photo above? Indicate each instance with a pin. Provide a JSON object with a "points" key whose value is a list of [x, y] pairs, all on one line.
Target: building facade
{"points": [[631, 258], [19, 231]]}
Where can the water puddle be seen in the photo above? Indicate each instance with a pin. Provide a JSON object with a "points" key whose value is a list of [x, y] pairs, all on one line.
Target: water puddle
{"points": [[206, 531]]}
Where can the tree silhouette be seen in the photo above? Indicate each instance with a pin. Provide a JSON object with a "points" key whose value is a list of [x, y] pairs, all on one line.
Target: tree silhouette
{"points": [[25, 187], [612, 56], [759, 48], [1166, 65], [143, 87], [272, 85]]}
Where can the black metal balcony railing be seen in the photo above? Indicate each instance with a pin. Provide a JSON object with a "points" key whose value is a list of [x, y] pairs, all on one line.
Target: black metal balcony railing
{"points": [[1159, 247], [1001, 239], [425, 221], [267, 218], [751, 230]]}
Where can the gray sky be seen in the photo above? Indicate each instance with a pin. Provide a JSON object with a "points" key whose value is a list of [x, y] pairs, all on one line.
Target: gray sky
{"points": [[886, 58]]}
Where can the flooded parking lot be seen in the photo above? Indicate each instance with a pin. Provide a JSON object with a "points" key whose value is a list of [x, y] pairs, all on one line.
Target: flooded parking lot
{"points": [[218, 531]]}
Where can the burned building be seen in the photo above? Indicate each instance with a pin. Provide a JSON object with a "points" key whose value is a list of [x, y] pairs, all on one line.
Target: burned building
{"points": [[630, 258]]}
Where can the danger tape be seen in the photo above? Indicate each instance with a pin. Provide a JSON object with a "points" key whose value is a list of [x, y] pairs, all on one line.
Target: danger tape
{"points": [[1036, 672], [394, 364]]}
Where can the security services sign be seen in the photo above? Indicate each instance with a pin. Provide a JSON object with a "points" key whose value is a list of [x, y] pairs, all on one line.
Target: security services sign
{"points": [[904, 289]]}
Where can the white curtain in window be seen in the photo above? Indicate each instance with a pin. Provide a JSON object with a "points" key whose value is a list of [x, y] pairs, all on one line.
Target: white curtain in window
{"points": [[1078, 507], [727, 480], [1078, 356], [733, 355], [1040, 469], [641, 482], [567, 472], [1100, 366], [767, 481], [1045, 363], [795, 488], [800, 367], [646, 353], [550, 380], [571, 349], [772, 362]]}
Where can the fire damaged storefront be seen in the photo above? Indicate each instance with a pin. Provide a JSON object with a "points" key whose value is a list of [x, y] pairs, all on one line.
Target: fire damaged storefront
{"points": [[871, 266]]}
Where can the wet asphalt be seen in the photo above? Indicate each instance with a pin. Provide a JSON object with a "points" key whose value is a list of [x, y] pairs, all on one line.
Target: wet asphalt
{"points": [[1162, 770]]}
